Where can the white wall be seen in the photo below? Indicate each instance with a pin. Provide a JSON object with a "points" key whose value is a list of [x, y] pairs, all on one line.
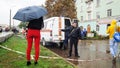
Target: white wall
{"points": [[102, 27], [92, 24], [102, 30]]}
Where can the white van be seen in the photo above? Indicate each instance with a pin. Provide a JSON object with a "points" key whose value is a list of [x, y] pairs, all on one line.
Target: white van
{"points": [[51, 32]]}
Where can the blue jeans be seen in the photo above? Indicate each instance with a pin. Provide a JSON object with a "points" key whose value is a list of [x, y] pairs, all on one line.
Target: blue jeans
{"points": [[65, 43], [113, 47]]}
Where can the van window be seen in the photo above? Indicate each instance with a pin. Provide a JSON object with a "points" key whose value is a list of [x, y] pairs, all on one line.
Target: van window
{"points": [[67, 22], [48, 24]]}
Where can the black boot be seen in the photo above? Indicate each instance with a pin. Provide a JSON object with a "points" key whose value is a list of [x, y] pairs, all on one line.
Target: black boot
{"points": [[35, 63], [28, 63], [77, 56], [64, 47], [114, 60]]}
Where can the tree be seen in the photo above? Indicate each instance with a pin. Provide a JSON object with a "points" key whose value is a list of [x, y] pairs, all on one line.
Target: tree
{"points": [[22, 24], [64, 8]]}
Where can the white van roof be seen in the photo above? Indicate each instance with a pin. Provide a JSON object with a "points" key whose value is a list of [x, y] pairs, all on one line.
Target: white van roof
{"points": [[55, 17]]}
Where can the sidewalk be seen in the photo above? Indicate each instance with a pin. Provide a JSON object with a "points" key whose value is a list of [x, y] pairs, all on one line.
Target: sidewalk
{"points": [[5, 35]]}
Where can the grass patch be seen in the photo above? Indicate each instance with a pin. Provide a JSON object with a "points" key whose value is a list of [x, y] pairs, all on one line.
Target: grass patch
{"points": [[20, 44], [13, 60], [10, 59]]}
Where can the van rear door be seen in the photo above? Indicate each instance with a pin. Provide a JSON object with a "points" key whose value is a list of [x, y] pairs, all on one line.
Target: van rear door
{"points": [[55, 29], [67, 23]]}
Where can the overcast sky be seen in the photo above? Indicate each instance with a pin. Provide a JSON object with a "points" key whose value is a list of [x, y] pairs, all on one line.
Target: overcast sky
{"points": [[14, 5]]}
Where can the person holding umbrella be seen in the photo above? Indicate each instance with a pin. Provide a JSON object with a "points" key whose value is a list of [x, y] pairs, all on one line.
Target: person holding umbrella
{"points": [[33, 34], [33, 15]]}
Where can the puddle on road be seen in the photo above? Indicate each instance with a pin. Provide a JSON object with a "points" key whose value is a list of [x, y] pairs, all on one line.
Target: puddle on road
{"points": [[95, 50]]}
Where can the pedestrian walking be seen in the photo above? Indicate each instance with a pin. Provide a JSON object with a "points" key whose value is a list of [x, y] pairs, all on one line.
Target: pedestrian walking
{"points": [[85, 33], [113, 44], [117, 40], [74, 37], [33, 35], [82, 34]]}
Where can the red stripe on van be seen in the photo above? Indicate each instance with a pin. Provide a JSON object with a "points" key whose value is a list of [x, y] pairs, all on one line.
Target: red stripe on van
{"points": [[46, 30], [60, 25]]}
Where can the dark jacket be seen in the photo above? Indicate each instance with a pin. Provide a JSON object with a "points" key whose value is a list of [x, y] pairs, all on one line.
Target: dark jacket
{"points": [[36, 24], [73, 32], [67, 30]]}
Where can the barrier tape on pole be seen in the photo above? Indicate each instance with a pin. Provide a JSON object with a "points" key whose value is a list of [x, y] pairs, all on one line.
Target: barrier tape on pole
{"points": [[32, 56], [48, 57]]}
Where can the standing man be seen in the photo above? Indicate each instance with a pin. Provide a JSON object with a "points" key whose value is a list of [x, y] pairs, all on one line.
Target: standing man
{"points": [[33, 35], [74, 36]]}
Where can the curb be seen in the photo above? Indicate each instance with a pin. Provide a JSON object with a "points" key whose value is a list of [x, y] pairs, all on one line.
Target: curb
{"points": [[65, 59], [32, 56], [25, 54]]}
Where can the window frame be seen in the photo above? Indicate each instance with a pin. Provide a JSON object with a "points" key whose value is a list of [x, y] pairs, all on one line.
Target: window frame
{"points": [[109, 12]]}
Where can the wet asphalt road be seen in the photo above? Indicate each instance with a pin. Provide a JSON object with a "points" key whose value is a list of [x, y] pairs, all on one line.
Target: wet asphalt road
{"points": [[93, 55]]}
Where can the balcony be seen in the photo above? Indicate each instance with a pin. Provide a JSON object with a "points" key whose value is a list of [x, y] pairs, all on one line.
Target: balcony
{"points": [[87, 1]]}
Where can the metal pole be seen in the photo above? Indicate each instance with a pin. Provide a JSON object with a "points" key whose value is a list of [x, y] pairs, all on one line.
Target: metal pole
{"points": [[13, 23], [10, 19]]}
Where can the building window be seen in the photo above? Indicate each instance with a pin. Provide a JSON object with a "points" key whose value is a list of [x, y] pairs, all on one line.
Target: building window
{"points": [[109, 12], [97, 15], [89, 16], [97, 27], [97, 3], [87, 1], [81, 18], [109, 1]]}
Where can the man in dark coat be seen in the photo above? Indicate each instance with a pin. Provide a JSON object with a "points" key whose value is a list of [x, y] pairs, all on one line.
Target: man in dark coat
{"points": [[74, 34]]}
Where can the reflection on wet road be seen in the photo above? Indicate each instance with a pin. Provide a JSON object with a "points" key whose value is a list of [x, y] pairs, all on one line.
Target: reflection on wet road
{"points": [[93, 55]]}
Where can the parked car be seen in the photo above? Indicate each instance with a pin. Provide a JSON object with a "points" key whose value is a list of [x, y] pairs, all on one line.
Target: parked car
{"points": [[7, 29], [1, 29], [15, 30]]}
